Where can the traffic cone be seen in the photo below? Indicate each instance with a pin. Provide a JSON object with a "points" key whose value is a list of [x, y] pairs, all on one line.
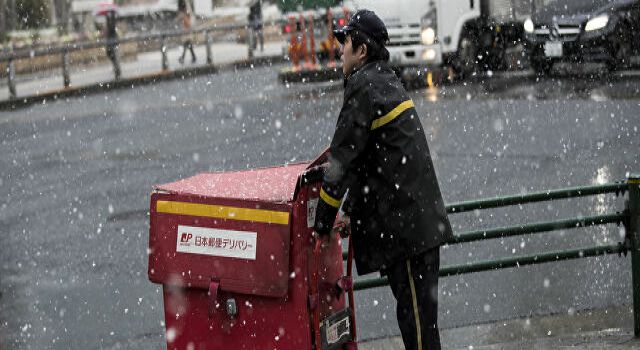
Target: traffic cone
{"points": [[293, 46], [312, 43], [305, 51], [331, 45]]}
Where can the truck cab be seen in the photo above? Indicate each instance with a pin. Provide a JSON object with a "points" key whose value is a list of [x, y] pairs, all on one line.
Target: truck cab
{"points": [[403, 21], [471, 35], [442, 28]]}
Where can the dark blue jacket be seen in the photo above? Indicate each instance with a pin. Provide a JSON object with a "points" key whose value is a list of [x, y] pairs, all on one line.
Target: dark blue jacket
{"points": [[379, 153]]}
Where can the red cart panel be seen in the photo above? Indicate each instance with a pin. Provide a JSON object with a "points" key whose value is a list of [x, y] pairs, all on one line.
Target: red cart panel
{"points": [[234, 253], [198, 240]]}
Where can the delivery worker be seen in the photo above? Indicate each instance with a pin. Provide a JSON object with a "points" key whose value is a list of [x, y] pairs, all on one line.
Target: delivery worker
{"points": [[379, 156]]}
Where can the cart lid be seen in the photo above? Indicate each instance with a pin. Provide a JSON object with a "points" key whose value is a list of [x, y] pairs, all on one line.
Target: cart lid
{"points": [[275, 184]]}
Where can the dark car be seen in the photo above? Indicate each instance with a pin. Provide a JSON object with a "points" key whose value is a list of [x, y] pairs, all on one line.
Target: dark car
{"points": [[602, 31]]}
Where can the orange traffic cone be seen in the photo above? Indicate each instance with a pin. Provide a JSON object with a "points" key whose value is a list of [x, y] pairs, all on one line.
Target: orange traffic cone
{"points": [[305, 51], [331, 45], [294, 50], [312, 43]]}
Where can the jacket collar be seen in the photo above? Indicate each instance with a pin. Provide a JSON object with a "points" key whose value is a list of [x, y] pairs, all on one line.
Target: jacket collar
{"points": [[357, 70]]}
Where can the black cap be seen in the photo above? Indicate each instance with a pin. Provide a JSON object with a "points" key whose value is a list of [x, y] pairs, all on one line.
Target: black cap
{"points": [[366, 22]]}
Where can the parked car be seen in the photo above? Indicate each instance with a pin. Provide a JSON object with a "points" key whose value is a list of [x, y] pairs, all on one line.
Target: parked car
{"points": [[603, 31]]}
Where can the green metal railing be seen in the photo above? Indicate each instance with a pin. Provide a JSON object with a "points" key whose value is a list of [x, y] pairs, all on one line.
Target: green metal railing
{"points": [[630, 218]]}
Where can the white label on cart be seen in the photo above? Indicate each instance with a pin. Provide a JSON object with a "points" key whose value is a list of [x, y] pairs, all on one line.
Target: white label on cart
{"points": [[217, 242], [312, 204]]}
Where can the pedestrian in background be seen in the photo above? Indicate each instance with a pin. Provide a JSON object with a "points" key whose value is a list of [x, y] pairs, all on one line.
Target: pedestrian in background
{"points": [[256, 25], [380, 158], [111, 36], [184, 17]]}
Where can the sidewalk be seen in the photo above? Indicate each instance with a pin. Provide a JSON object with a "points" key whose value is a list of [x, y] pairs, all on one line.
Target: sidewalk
{"points": [[596, 329], [147, 64]]}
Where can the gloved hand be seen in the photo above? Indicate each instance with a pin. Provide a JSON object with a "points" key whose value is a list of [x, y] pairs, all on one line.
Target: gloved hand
{"points": [[322, 229], [343, 226]]}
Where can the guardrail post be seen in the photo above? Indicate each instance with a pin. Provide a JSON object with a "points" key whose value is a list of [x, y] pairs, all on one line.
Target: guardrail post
{"points": [[65, 69], [11, 74], [633, 232], [207, 41], [163, 50], [250, 41]]}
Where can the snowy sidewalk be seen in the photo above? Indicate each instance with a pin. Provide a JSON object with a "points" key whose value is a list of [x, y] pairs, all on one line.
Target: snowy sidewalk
{"points": [[147, 64], [596, 329]]}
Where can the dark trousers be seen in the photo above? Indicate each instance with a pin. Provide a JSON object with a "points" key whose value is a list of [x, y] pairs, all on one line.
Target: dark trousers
{"points": [[414, 283], [112, 53], [188, 44]]}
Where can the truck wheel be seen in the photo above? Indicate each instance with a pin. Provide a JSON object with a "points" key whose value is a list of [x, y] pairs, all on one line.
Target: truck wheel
{"points": [[621, 51], [541, 67], [467, 60], [497, 60]]}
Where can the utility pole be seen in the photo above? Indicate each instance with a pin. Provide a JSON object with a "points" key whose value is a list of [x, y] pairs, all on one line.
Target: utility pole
{"points": [[11, 15], [62, 8], [3, 19], [53, 21]]}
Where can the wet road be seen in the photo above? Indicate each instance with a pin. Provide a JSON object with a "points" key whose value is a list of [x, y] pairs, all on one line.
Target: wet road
{"points": [[76, 176]]}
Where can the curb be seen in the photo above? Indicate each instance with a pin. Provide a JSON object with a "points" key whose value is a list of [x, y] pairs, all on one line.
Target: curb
{"points": [[140, 80], [417, 78], [607, 328], [320, 74]]}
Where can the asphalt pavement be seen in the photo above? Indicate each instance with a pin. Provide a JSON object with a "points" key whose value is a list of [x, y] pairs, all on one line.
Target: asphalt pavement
{"points": [[76, 175]]}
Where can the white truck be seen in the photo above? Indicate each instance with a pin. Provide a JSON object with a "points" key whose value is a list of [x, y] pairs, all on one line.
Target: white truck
{"points": [[473, 35], [403, 21]]}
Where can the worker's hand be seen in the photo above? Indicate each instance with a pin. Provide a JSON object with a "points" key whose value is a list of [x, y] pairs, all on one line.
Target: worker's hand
{"points": [[322, 227], [343, 226], [323, 238]]}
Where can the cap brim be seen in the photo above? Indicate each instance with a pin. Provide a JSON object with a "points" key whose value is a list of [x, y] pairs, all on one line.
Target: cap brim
{"points": [[341, 33]]}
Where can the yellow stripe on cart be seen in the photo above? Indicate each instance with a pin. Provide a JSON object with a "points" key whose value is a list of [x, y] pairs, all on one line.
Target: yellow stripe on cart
{"points": [[223, 212]]}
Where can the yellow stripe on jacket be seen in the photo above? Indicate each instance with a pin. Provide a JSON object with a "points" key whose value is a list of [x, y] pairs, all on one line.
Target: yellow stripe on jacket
{"points": [[385, 119]]}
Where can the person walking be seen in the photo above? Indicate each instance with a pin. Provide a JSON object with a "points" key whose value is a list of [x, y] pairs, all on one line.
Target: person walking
{"points": [[379, 158], [184, 17], [256, 25], [111, 36]]}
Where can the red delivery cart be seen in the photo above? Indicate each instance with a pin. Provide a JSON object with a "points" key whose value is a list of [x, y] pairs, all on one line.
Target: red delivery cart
{"points": [[239, 267]]}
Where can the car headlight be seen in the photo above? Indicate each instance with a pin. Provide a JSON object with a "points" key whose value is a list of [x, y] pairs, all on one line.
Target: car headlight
{"points": [[428, 36], [597, 23], [528, 25]]}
